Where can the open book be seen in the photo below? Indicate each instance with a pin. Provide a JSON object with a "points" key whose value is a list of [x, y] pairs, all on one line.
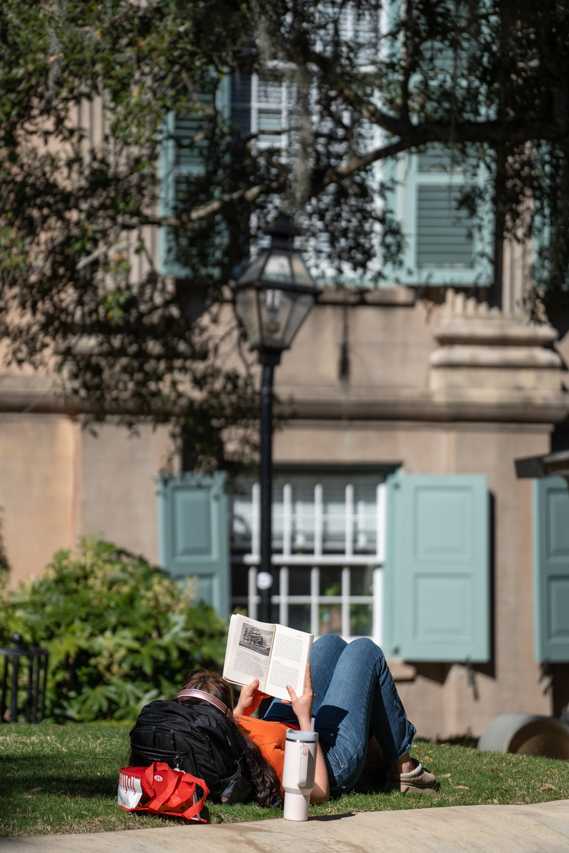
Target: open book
{"points": [[276, 655]]}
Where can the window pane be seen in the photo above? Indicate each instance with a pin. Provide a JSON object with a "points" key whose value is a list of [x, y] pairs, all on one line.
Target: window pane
{"points": [[361, 620], [330, 621], [361, 580], [270, 120], [299, 617], [331, 581], [241, 522], [270, 91], [303, 516], [239, 580], [299, 581]]}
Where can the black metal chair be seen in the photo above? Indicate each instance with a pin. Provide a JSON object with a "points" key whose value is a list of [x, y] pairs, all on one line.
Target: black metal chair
{"points": [[36, 681]]}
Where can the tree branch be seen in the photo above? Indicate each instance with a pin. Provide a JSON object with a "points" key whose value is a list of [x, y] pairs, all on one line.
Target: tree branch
{"points": [[493, 133], [355, 164]]}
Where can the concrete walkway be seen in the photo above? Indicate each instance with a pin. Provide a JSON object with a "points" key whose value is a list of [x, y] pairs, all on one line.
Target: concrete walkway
{"points": [[540, 828]]}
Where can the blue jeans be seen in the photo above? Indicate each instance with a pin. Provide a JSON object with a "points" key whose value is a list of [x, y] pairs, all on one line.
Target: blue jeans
{"points": [[356, 699]]}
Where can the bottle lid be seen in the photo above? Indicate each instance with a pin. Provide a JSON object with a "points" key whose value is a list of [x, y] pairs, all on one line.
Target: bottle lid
{"points": [[303, 737]]}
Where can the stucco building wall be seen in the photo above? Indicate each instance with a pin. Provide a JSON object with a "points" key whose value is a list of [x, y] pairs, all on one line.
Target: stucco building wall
{"points": [[38, 488], [384, 378], [116, 496]]}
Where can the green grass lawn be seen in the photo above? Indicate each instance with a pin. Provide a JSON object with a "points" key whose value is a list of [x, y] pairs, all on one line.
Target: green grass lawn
{"points": [[64, 779]]}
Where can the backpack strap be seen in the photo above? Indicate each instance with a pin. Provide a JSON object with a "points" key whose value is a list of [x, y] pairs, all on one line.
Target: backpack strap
{"points": [[239, 749]]}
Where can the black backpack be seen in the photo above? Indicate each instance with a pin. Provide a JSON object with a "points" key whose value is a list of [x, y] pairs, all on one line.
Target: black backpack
{"points": [[199, 739]]}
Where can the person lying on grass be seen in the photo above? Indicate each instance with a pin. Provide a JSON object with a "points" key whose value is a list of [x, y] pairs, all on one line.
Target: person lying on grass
{"points": [[358, 715]]}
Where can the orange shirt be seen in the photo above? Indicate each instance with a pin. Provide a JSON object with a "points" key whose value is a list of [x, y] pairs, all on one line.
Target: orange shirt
{"points": [[269, 736]]}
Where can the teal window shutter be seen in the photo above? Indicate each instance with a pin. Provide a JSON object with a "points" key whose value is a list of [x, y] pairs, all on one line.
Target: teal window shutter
{"points": [[180, 158], [193, 533], [551, 569], [437, 568], [240, 102], [444, 246]]}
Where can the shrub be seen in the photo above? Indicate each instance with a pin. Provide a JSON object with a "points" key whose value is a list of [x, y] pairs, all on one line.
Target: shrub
{"points": [[119, 631]]}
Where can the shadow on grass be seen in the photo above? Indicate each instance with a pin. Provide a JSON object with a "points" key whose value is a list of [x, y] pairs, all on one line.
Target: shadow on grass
{"points": [[41, 773], [370, 782], [461, 740]]}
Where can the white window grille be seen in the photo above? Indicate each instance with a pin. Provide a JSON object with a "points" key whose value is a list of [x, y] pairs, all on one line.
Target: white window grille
{"points": [[358, 30], [265, 104], [328, 553], [273, 99]]}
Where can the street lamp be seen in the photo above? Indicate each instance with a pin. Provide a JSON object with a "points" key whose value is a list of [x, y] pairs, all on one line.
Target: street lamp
{"points": [[273, 298]]}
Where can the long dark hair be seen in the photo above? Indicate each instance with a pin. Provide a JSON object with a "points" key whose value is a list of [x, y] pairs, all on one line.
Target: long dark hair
{"points": [[265, 779]]}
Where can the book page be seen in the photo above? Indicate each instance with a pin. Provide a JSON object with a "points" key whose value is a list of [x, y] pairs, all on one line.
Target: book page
{"points": [[248, 650], [291, 653]]}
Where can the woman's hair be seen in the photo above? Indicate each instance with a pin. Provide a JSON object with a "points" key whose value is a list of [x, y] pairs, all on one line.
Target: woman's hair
{"points": [[209, 682], [265, 779]]}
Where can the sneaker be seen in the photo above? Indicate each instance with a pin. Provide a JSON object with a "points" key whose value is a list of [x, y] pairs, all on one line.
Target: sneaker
{"points": [[417, 781]]}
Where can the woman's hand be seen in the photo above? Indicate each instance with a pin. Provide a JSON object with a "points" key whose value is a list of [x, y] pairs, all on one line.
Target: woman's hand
{"points": [[302, 705], [249, 699]]}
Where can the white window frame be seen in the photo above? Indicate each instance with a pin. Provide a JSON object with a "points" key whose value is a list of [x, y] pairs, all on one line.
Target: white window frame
{"points": [[316, 559]]}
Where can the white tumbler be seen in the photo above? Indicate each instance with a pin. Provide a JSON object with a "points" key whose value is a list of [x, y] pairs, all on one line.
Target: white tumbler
{"points": [[298, 773]]}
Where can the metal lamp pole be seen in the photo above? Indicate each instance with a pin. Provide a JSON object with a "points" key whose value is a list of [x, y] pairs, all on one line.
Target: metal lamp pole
{"points": [[273, 298], [269, 360]]}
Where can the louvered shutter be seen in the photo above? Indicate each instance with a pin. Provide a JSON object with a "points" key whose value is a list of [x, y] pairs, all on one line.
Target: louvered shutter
{"points": [[443, 244], [180, 158], [240, 104]]}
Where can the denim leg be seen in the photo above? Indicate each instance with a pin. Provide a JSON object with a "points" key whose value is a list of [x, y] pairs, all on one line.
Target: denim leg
{"points": [[361, 698], [356, 697], [326, 652]]}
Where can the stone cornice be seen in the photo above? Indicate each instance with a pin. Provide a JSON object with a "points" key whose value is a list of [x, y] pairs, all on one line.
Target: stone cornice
{"points": [[493, 329], [461, 355], [468, 405], [502, 407]]}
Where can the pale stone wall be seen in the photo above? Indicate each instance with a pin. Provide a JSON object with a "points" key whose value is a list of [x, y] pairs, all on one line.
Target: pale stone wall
{"points": [[388, 349], [38, 489], [116, 496], [59, 482]]}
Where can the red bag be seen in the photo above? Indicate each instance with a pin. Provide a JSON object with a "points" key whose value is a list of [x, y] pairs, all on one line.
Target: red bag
{"points": [[159, 789]]}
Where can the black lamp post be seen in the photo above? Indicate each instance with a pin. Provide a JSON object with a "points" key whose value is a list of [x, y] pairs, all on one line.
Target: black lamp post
{"points": [[273, 296]]}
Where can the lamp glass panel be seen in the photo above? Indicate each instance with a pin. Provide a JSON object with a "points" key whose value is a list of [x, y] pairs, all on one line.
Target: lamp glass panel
{"points": [[301, 303], [300, 272], [282, 313], [274, 306], [246, 299], [254, 270], [278, 267]]}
